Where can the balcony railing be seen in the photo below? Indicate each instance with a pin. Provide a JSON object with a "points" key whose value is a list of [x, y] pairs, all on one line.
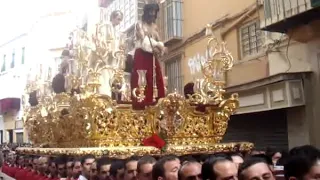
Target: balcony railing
{"points": [[171, 21], [279, 15]]}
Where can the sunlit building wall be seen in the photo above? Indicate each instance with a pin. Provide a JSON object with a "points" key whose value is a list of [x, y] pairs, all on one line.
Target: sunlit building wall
{"points": [[13, 64]]}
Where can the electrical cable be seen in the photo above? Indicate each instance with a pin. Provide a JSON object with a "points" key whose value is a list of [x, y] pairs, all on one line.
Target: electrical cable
{"points": [[287, 52]]}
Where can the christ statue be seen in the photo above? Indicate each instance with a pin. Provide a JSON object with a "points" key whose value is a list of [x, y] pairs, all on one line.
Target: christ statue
{"points": [[148, 48]]}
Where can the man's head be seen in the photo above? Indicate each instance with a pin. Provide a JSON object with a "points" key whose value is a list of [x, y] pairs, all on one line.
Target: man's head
{"points": [[255, 168], [273, 154], [20, 160], [237, 159], [103, 168], [52, 167], [303, 163], [86, 164], [145, 166], [150, 13], [69, 167], [117, 170], [116, 17], [219, 167], [190, 170], [61, 166], [43, 165], [130, 168], [188, 90], [11, 157], [166, 168], [35, 162], [93, 171], [76, 170]]}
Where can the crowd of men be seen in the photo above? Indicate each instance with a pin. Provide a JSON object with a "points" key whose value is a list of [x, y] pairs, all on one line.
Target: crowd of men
{"points": [[300, 163]]}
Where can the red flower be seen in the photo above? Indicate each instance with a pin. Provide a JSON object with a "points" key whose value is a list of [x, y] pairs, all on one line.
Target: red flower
{"points": [[154, 141]]}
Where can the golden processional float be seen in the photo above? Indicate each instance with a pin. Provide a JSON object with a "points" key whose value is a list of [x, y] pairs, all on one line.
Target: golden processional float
{"points": [[82, 121]]}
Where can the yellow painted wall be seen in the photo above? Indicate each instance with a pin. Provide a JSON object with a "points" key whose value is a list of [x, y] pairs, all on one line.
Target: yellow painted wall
{"points": [[199, 13]]}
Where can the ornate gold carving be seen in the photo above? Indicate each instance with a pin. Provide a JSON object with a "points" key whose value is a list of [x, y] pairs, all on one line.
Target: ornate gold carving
{"points": [[125, 152], [74, 123]]}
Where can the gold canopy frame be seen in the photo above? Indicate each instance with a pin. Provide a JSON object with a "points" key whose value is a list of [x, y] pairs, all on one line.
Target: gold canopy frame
{"points": [[92, 123]]}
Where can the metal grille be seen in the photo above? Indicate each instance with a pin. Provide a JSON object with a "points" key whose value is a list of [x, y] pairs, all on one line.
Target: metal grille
{"points": [[173, 19], [251, 39], [277, 10], [174, 74], [264, 129]]}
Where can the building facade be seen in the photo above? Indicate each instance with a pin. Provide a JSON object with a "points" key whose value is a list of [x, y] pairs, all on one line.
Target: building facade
{"points": [[12, 79], [22, 56], [271, 71], [300, 22]]}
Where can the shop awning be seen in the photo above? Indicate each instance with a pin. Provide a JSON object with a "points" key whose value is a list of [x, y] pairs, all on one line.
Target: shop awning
{"points": [[9, 104], [12, 85]]}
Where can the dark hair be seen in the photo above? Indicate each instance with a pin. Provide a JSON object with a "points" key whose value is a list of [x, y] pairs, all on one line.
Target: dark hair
{"points": [[298, 166], [306, 150], [184, 164], [250, 162], [130, 159], [207, 167], [115, 13], [146, 17], [102, 162], [158, 168], [188, 89], [186, 158], [115, 166], [58, 84], [266, 158], [270, 151], [145, 160], [283, 159], [88, 156], [300, 161], [33, 100], [61, 159]]}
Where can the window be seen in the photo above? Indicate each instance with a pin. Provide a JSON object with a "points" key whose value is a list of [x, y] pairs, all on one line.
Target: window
{"points": [[128, 8], [12, 61], [3, 67], [22, 55], [251, 39], [173, 19], [174, 74], [19, 138]]}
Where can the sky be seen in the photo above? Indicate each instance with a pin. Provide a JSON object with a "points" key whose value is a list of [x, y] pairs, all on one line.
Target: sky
{"points": [[18, 16]]}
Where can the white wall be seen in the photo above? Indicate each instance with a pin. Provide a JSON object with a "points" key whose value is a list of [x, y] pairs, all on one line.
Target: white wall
{"points": [[12, 79]]}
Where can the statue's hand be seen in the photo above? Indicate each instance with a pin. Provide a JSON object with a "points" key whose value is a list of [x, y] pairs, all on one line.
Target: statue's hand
{"points": [[157, 50], [165, 51]]}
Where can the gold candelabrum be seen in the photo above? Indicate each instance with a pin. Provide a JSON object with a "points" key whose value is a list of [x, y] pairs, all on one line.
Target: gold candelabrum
{"points": [[87, 121]]}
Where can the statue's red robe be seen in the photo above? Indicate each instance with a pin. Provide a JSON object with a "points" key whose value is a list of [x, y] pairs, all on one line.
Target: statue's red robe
{"points": [[144, 61]]}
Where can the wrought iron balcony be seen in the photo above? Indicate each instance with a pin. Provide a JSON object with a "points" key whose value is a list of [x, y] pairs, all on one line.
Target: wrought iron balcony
{"points": [[282, 15], [171, 21]]}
